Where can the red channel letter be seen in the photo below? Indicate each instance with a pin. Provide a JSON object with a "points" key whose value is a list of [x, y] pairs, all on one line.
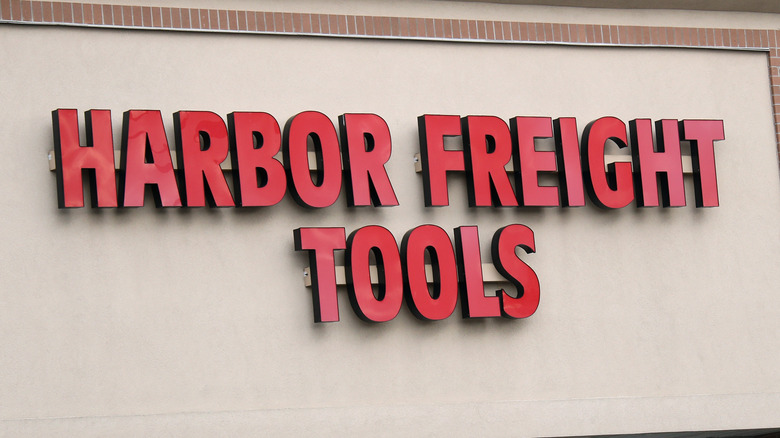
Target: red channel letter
{"points": [[321, 243], [487, 148], [146, 159], [472, 290], [702, 134], [386, 304], [529, 162], [297, 132], [567, 152], [615, 188], [436, 161], [653, 168], [365, 139], [516, 271], [440, 302], [201, 146], [258, 178], [97, 158]]}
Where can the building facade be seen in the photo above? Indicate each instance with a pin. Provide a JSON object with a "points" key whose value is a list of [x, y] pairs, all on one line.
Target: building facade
{"points": [[259, 319]]}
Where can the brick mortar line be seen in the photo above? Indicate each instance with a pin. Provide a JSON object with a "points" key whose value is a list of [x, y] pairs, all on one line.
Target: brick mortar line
{"points": [[387, 27]]}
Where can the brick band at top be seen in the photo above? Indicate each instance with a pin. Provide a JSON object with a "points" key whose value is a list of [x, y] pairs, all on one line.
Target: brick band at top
{"points": [[360, 26]]}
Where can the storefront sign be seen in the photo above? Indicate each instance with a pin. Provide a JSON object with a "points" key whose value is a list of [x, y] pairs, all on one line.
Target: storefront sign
{"points": [[354, 157]]}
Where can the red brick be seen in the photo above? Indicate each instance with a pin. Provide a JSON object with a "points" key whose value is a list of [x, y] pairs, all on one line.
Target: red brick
{"points": [[740, 34], [555, 32], [251, 21], [565, 33], [117, 15], [26, 9], [195, 19], [727, 41], [176, 18], [368, 26], [46, 10], [315, 23], [166, 17], [5, 10], [15, 9], [548, 33], [67, 13], [217, 19], [232, 19], [350, 25], [37, 11], [540, 33], [733, 38], [392, 28], [589, 33], [457, 27], [88, 15], [222, 20], [581, 33], [463, 29], [623, 35], [407, 27], [429, 29], [480, 29], [645, 35], [156, 17], [490, 31], [446, 26], [717, 38], [686, 36], [137, 16], [471, 27], [503, 30], [146, 16], [522, 31], [515, 30], [360, 25], [202, 17], [260, 21], [241, 19], [635, 35], [78, 13], [598, 32], [655, 35], [123, 16], [97, 14], [333, 24], [756, 35], [187, 18]]}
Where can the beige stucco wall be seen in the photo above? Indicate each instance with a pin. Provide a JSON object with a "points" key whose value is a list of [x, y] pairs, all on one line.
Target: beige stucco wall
{"points": [[197, 322]]}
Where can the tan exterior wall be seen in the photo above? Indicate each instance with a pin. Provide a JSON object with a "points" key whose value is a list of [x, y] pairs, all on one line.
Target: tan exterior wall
{"points": [[196, 322]]}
